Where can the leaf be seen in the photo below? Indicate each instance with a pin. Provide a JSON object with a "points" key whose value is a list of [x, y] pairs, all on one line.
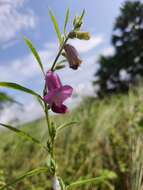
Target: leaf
{"points": [[66, 19], [107, 175], [35, 53], [22, 134], [41, 103], [58, 67], [66, 125], [56, 26], [27, 174], [62, 61], [19, 87], [62, 184], [82, 15], [86, 181]]}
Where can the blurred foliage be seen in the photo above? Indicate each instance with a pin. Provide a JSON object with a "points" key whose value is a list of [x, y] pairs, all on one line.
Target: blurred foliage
{"points": [[107, 141], [4, 99], [125, 67]]}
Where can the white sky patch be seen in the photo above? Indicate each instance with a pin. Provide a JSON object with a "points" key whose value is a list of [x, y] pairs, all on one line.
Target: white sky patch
{"points": [[108, 51], [29, 112], [26, 68], [12, 20], [84, 89], [84, 46]]}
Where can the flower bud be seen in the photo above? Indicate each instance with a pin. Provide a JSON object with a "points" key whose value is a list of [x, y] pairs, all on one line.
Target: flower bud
{"points": [[77, 23], [56, 183], [80, 35], [72, 56]]}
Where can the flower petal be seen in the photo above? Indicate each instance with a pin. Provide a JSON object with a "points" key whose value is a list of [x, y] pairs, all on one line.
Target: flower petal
{"points": [[59, 95], [59, 109], [50, 96], [52, 80], [62, 94]]}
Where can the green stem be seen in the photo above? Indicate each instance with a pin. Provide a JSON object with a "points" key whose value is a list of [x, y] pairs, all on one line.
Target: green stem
{"points": [[47, 118], [49, 130], [59, 53], [46, 111], [48, 124]]}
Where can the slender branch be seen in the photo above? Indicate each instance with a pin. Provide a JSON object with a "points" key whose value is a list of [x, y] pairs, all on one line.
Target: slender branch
{"points": [[59, 53]]}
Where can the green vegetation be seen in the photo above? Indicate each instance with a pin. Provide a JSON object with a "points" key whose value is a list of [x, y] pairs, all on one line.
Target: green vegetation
{"points": [[107, 143]]}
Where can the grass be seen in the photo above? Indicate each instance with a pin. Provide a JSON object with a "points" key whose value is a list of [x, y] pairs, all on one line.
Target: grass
{"points": [[107, 141]]}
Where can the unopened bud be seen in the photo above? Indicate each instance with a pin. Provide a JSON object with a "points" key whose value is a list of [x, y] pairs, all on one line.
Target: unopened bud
{"points": [[55, 183], [77, 23], [80, 35], [72, 56]]}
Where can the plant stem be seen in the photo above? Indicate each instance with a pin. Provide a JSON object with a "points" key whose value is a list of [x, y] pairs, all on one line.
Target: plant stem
{"points": [[48, 124], [47, 118], [46, 111], [59, 53]]}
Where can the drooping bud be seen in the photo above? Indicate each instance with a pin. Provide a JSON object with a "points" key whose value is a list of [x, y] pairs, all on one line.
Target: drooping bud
{"points": [[72, 56], [56, 183], [79, 35]]}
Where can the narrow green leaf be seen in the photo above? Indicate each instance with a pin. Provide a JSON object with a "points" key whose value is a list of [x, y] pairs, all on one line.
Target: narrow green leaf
{"points": [[56, 26], [66, 19], [82, 15], [62, 61], [107, 175], [21, 133], [66, 125], [27, 174], [19, 87], [59, 67], [35, 53], [62, 184], [41, 103], [95, 180]]}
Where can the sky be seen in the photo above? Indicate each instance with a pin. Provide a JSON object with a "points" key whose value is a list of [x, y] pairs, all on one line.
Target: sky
{"points": [[30, 18]]}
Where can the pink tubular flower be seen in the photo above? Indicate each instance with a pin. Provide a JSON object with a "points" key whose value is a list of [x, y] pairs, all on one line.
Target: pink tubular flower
{"points": [[57, 93]]}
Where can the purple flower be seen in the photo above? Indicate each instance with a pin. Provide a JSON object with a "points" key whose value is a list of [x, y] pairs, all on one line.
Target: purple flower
{"points": [[57, 93]]}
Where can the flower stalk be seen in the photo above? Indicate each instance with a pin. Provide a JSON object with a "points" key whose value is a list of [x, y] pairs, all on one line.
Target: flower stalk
{"points": [[59, 53]]}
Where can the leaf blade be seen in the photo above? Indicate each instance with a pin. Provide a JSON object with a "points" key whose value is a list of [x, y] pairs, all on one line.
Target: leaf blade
{"points": [[82, 14], [66, 19], [56, 26], [35, 53], [86, 181], [27, 174], [107, 175], [21, 133], [16, 86], [66, 125]]}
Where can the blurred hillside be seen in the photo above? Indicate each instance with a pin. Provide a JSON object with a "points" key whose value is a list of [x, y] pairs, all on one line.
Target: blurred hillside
{"points": [[108, 138]]}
